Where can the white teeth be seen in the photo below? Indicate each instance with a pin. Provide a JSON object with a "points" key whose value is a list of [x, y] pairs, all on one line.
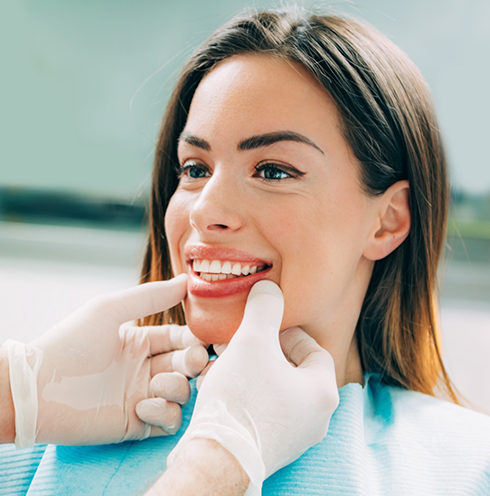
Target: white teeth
{"points": [[237, 269], [218, 271], [215, 267], [226, 268]]}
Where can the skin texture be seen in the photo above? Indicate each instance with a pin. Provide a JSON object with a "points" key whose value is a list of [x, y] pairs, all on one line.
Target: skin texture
{"points": [[312, 222], [204, 468]]}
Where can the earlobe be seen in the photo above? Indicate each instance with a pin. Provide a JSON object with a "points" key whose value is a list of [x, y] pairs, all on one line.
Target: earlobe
{"points": [[392, 224]]}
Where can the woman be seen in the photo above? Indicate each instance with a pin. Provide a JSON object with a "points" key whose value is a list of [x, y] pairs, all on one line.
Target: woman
{"points": [[304, 150], [381, 107]]}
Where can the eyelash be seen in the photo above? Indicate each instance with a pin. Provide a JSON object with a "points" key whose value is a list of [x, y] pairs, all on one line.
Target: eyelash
{"points": [[262, 167], [291, 172], [186, 166]]}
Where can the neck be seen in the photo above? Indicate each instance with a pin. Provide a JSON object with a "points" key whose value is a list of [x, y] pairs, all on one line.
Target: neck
{"points": [[336, 332], [345, 354]]}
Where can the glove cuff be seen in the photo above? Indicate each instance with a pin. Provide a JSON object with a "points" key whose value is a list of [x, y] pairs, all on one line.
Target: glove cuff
{"points": [[23, 386]]}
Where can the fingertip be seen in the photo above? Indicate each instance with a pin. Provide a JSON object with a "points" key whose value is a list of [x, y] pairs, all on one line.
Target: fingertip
{"points": [[171, 386], [195, 360], [156, 431], [319, 361], [291, 331], [160, 413], [220, 348], [142, 409], [265, 287], [179, 283], [180, 279], [147, 298], [297, 345]]}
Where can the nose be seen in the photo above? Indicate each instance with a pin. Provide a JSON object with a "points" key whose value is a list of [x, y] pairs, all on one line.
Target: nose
{"points": [[216, 209]]}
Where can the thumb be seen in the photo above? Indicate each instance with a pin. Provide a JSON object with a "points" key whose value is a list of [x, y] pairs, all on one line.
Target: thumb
{"points": [[147, 299], [263, 315]]}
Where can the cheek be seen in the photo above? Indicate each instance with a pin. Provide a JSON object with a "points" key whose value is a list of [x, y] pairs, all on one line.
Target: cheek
{"points": [[319, 262]]}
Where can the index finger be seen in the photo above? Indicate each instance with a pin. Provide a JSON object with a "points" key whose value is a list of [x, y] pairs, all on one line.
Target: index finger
{"points": [[146, 299], [303, 351]]}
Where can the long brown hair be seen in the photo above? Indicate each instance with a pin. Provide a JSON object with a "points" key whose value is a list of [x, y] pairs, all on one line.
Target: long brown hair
{"points": [[389, 122]]}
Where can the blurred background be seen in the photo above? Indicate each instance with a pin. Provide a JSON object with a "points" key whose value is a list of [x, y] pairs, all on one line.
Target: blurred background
{"points": [[84, 85]]}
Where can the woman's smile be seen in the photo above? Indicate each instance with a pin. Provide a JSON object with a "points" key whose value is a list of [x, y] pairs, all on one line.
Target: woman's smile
{"points": [[217, 272]]}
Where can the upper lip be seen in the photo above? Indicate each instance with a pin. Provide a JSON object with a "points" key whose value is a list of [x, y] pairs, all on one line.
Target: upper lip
{"points": [[222, 253]]}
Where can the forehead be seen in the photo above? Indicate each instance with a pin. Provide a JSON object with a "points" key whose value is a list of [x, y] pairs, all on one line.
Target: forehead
{"points": [[259, 94]]}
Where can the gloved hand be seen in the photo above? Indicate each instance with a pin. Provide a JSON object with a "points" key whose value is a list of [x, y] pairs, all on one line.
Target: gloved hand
{"points": [[262, 409], [80, 382]]}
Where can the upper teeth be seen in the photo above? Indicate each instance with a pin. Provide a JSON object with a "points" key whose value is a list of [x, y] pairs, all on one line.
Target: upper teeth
{"points": [[226, 267]]}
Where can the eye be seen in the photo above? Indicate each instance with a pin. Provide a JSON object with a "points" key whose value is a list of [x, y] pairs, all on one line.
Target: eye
{"points": [[193, 170], [273, 172]]}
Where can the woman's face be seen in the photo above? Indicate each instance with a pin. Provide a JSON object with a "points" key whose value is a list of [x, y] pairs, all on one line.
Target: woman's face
{"points": [[268, 188]]}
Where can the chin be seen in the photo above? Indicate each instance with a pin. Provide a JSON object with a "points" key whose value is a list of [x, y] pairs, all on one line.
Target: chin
{"points": [[213, 322]]}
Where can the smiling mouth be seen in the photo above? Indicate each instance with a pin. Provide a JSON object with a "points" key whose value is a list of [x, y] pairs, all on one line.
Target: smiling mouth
{"points": [[216, 270]]}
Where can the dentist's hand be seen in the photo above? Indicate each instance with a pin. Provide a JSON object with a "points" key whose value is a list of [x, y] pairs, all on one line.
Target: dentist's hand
{"points": [[80, 382], [254, 403]]}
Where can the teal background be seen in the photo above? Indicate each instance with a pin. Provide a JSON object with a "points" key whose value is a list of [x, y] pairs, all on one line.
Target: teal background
{"points": [[84, 83]]}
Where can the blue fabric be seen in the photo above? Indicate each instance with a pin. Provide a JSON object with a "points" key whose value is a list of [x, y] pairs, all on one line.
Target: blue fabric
{"points": [[382, 440], [17, 468]]}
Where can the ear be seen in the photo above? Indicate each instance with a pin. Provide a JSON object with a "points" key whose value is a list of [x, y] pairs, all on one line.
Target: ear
{"points": [[392, 222]]}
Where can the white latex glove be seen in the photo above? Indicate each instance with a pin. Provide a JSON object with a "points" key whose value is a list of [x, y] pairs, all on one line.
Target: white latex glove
{"points": [[263, 410], [80, 382]]}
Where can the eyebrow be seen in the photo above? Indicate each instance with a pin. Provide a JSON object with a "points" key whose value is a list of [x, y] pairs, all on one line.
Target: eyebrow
{"points": [[271, 138], [254, 142], [193, 140]]}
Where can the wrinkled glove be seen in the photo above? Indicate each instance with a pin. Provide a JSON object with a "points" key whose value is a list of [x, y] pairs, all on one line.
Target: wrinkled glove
{"points": [[265, 411], [80, 382]]}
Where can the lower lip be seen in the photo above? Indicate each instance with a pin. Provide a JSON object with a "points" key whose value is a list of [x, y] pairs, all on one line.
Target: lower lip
{"points": [[227, 287]]}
